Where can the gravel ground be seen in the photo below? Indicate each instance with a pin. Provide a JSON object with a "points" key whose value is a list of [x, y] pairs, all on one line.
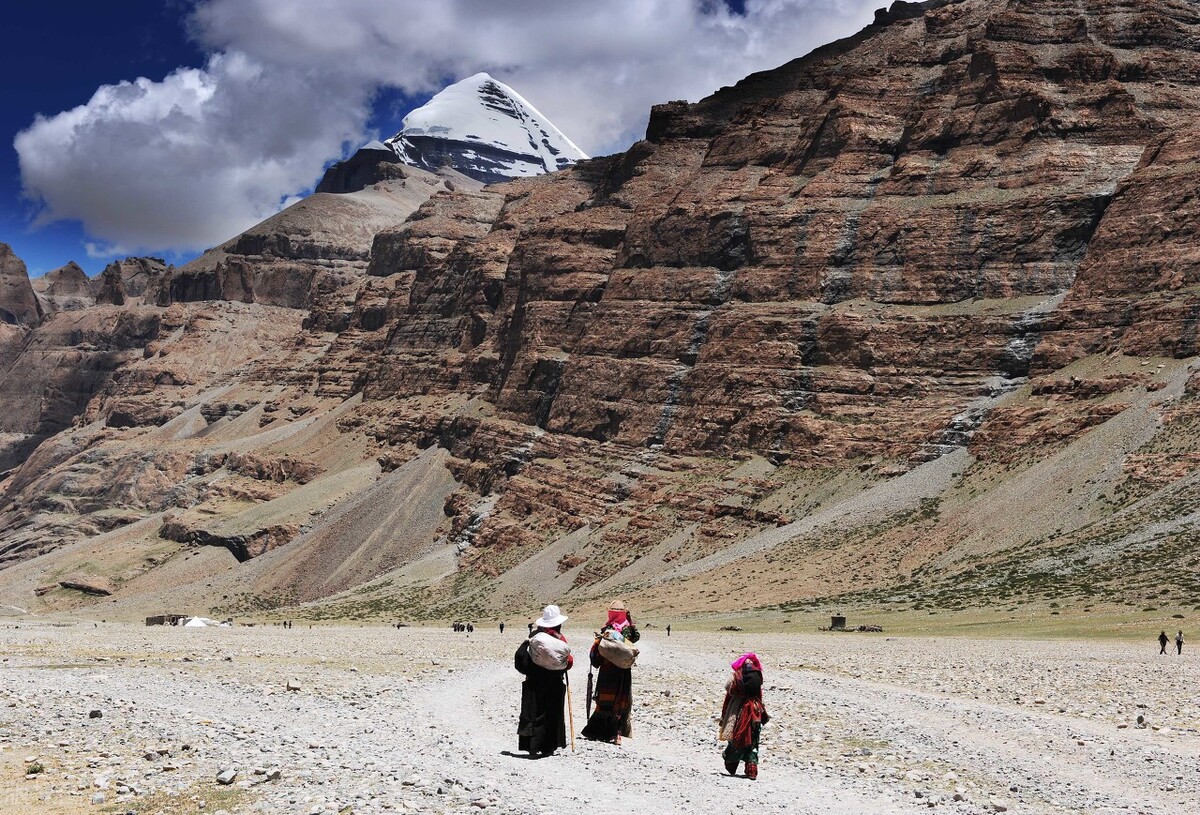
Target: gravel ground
{"points": [[424, 720]]}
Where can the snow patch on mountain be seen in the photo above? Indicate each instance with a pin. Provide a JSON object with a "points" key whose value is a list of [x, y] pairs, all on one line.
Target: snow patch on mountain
{"points": [[484, 129]]}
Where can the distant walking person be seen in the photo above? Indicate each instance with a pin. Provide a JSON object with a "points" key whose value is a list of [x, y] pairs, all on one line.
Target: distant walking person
{"points": [[1163, 639], [1179, 642], [501, 628], [743, 715], [613, 655], [544, 659], [668, 629]]}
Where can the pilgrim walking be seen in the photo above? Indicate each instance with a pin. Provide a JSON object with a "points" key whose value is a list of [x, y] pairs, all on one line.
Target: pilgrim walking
{"points": [[1163, 639], [743, 715], [613, 656], [1179, 642], [544, 659]]}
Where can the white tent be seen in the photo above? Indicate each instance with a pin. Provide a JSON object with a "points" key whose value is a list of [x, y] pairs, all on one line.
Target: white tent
{"points": [[198, 622]]}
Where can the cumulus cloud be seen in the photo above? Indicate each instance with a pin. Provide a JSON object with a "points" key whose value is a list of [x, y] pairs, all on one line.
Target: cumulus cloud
{"points": [[192, 160], [188, 161], [594, 68]]}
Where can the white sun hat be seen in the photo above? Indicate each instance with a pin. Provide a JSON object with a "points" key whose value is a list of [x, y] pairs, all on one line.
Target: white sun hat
{"points": [[551, 617]]}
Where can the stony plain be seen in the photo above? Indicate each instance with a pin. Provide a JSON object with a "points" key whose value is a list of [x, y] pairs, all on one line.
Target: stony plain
{"points": [[423, 720]]}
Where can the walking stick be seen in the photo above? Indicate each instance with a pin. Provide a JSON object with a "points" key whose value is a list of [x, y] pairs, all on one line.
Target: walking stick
{"points": [[570, 712], [587, 706]]}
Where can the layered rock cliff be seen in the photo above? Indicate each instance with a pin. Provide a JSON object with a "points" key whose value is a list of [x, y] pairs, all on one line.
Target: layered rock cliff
{"points": [[302, 257], [913, 314]]}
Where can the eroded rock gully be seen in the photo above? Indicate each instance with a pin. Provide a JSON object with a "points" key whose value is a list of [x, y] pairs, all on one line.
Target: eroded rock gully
{"points": [[807, 305]]}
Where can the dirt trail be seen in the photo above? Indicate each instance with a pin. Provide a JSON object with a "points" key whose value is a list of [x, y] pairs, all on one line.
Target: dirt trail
{"points": [[677, 771]]}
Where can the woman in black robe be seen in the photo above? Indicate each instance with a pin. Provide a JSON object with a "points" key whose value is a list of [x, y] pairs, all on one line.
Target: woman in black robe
{"points": [[541, 729]]}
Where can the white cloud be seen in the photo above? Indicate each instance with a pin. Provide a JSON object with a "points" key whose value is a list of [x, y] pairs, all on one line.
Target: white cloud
{"points": [[103, 251], [191, 160], [594, 68]]}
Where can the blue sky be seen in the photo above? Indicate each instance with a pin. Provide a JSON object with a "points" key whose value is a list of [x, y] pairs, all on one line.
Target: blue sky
{"points": [[55, 56], [59, 53], [166, 126]]}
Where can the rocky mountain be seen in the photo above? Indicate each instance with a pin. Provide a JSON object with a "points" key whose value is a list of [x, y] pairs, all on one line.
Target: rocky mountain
{"points": [[909, 322], [67, 288], [478, 126]]}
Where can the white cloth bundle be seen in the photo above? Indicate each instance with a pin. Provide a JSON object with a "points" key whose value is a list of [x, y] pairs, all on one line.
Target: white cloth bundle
{"points": [[618, 653], [548, 652]]}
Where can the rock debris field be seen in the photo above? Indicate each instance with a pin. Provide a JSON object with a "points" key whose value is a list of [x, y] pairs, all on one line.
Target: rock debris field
{"points": [[125, 719]]}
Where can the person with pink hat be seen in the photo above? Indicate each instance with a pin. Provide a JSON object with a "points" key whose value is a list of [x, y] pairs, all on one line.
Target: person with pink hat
{"points": [[612, 655], [544, 659], [743, 715]]}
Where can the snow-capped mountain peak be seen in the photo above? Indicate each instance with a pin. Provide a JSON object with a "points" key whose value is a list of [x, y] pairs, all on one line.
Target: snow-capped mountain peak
{"points": [[484, 129]]}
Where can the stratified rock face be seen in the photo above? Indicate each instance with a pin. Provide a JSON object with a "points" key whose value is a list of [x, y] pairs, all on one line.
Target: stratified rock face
{"points": [[305, 256], [61, 366], [67, 288], [18, 304], [858, 259], [836, 258], [829, 328], [1136, 290]]}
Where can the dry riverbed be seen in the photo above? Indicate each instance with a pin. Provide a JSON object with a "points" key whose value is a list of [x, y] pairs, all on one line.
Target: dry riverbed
{"points": [[424, 720]]}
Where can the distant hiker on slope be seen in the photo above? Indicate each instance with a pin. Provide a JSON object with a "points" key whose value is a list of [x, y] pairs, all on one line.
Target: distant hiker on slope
{"points": [[1163, 639], [1179, 642], [544, 659], [743, 715], [613, 655]]}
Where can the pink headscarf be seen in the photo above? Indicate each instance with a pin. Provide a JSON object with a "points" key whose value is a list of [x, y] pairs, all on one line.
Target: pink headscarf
{"points": [[751, 657], [618, 618]]}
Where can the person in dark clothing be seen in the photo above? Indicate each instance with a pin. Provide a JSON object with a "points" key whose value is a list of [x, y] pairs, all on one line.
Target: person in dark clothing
{"points": [[501, 628], [1163, 639], [1179, 642], [743, 715], [544, 659], [668, 629], [610, 721]]}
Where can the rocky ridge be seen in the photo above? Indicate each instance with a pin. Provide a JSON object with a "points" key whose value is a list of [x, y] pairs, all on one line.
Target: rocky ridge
{"points": [[823, 332]]}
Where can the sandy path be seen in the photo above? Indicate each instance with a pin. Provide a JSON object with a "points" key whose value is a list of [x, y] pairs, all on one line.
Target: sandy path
{"points": [[419, 720], [677, 770]]}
